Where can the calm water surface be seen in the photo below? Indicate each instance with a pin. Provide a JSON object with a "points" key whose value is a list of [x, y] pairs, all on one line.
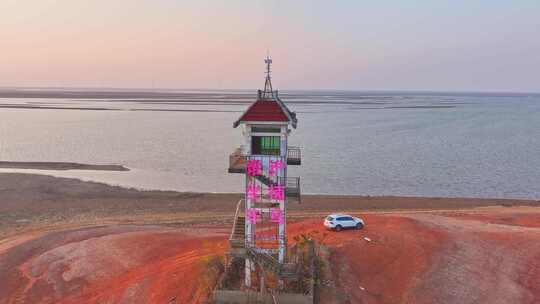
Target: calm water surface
{"points": [[417, 144]]}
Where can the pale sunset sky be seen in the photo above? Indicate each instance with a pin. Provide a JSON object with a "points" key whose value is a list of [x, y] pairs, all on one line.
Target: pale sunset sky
{"points": [[452, 45]]}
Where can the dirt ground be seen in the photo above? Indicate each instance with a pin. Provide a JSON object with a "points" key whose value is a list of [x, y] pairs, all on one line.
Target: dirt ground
{"points": [[66, 241], [435, 257], [119, 264]]}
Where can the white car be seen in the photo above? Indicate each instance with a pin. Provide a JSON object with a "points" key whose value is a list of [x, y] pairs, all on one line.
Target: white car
{"points": [[343, 221]]}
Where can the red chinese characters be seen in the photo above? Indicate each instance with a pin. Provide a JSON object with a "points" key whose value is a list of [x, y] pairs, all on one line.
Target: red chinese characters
{"points": [[253, 191], [254, 215], [276, 192], [275, 167], [254, 167], [277, 216]]}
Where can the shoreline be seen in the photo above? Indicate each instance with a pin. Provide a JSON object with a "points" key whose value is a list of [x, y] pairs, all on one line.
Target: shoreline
{"points": [[30, 201], [56, 173], [64, 166], [59, 166]]}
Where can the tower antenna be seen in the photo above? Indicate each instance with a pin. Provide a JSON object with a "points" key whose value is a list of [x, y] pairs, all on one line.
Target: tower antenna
{"points": [[268, 90]]}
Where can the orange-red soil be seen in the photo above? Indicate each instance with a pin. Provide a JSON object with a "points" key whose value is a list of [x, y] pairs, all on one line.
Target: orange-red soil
{"points": [[505, 217], [435, 258], [122, 264], [413, 257], [383, 269]]}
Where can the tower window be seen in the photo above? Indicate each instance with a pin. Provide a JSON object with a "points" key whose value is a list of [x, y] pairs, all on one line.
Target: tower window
{"points": [[265, 130], [265, 145]]}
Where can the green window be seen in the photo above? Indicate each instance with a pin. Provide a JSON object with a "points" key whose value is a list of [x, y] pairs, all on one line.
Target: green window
{"points": [[266, 145]]}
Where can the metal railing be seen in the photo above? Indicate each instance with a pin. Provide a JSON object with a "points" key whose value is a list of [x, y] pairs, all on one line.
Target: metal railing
{"points": [[238, 158], [291, 182], [274, 297], [292, 186], [271, 263], [237, 161], [236, 214], [265, 260], [274, 93], [294, 155]]}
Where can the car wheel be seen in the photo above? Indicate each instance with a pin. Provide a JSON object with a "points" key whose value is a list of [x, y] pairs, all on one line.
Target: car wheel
{"points": [[338, 228], [359, 226]]}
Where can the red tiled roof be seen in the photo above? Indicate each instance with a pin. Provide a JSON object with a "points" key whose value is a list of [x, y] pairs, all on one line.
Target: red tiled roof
{"points": [[264, 110], [271, 109]]}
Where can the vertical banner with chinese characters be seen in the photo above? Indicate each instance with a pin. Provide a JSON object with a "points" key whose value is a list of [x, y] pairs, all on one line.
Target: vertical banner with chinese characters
{"points": [[265, 178], [266, 194], [254, 168]]}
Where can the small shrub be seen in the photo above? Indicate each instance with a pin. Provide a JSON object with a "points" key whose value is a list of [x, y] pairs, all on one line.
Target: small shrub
{"points": [[213, 268]]}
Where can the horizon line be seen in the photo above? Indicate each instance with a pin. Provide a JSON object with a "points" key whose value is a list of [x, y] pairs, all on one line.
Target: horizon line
{"points": [[149, 89]]}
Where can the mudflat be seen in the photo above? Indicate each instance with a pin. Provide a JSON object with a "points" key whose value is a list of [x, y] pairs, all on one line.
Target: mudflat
{"points": [[59, 166], [28, 200]]}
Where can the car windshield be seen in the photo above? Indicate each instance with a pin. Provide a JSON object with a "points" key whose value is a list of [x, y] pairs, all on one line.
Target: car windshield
{"points": [[329, 218]]}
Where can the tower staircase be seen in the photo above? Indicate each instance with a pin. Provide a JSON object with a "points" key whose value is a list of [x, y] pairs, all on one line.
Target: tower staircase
{"points": [[292, 185], [237, 240], [270, 263], [265, 180]]}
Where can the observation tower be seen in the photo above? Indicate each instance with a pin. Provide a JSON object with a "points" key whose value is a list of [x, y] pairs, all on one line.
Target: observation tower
{"points": [[259, 230]]}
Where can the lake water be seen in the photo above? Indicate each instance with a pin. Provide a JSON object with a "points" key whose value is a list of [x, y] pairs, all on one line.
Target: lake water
{"points": [[369, 143]]}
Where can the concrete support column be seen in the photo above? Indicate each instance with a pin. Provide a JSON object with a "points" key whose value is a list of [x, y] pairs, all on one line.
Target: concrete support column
{"points": [[263, 285], [282, 235], [247, 281]]}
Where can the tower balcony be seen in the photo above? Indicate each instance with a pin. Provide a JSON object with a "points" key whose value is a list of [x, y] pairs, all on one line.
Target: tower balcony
{"points": [[294, 156], [292, 188], [238, 159]]}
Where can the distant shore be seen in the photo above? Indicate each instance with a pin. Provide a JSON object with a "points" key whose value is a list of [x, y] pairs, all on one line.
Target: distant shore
{"points": [[59, 166]]}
